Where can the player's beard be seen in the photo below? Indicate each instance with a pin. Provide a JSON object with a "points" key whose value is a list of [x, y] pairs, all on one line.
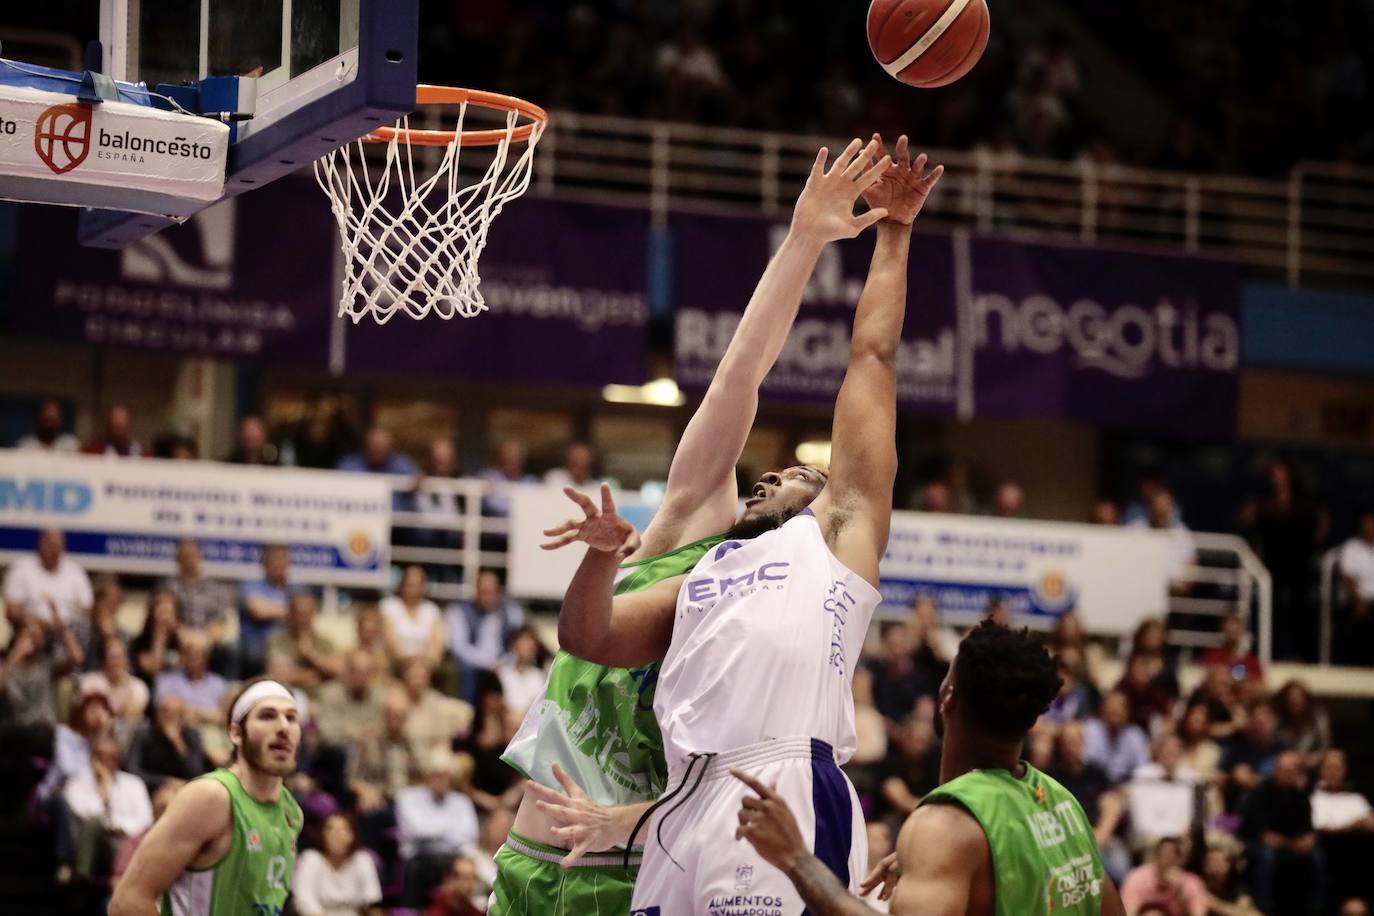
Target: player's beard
{"points": [[258, 757], [755, 525]]}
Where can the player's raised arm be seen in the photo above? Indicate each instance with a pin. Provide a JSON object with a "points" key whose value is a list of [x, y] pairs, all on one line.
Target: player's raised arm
{"points": [[197, 814], [856, 506], [622, 631], [701, 496]]}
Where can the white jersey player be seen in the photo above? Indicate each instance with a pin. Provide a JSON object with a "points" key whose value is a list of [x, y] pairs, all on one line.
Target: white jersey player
{"points": [[758, 643]]}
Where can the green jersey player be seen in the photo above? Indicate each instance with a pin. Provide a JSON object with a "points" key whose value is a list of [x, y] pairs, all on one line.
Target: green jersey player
{"points": [[227, 842]]}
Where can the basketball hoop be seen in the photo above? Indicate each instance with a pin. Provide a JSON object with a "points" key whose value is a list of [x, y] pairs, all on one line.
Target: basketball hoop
{"points": [[411, 244]]}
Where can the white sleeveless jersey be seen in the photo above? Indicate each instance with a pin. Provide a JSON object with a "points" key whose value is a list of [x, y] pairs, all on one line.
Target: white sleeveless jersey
{"points": [[765, 640]]}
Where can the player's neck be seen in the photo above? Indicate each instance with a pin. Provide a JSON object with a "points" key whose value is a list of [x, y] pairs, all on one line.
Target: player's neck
{"points": [[968, 754], [263, 786]]}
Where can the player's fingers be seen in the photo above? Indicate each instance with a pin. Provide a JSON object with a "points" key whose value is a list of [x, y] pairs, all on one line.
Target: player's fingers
{"points": [[845, 157], [933, 177], [865, 156], [607, 503], [818, 167], [867, 179], [581, 499], [872, 216], [902, 153], [561, 542], [566, 781], [751, 782], [571, 524]]}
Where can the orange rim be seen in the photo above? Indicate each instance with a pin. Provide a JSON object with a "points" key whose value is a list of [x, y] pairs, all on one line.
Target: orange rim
{"points": [[452, 95]]}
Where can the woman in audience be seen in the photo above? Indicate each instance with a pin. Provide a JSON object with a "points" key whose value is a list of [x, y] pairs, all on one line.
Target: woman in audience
{"points": [[1217, 693], [339, 878], [1303, 723], [155, 649], [1225, 893], [1069, 644], [103, 624], [167, 747], [1149, 642], [1200, 752], [493, 783], [414, 626], [371, 631], [89, 719], [1150, 702], [524, 670], [128, 695]]}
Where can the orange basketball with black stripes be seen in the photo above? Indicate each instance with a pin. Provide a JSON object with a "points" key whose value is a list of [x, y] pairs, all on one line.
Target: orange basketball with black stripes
{"points": [[928, 43]]}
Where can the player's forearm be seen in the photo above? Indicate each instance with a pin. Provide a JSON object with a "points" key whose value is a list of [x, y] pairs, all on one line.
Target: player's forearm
{"points": [[132, 901], [584, 621], [882, 305], [823, 892]]}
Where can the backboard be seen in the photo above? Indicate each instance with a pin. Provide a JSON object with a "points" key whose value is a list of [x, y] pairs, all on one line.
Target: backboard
{"points": [[326, 72]]}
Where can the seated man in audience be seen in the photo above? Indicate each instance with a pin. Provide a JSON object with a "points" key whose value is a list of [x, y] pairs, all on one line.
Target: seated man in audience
{"points": [[205, 603], [1287, 868], [435, 720], [312, 656], [370, 629], [896, 681], [118, 439], [433, 822], [1162, 796], [508, 472], [47, 585], [911, 768], [1164, 883], [381, 765], [50, 432], [480, 630], [263, 608], [1248, 758], [1112, 741], [193, 682], [348, 709], [252, 445], [1336, 807], [167, 748], [31, 665], [108, 805]]}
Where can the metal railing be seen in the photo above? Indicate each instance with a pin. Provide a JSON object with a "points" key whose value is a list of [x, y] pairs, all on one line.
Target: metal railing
{"points": [[1226, 577], [1316, 226]]}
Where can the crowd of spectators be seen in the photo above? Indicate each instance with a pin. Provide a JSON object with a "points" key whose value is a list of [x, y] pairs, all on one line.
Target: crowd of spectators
{"points": [[1243, 93]]}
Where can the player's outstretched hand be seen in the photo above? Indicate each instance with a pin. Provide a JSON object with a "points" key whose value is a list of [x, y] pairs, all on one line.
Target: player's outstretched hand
{"points": [[768, 824], [825, 209], [582, 824], [902, 189], [886, 873], [600, 529]]}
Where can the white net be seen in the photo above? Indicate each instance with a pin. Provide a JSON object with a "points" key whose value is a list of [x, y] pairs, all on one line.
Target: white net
{"points": [[411, 244]]}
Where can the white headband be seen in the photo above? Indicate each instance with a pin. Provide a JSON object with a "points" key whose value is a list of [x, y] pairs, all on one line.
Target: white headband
{"points": [[254, 695]]}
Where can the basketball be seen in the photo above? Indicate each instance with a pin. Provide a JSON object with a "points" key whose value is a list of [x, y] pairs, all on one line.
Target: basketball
{"points": [[928, 43]]}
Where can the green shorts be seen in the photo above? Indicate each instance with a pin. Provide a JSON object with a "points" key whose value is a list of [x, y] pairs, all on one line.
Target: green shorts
{"points": [[530, 882]]}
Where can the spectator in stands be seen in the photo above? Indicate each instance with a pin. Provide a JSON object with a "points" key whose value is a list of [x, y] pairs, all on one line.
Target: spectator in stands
{"points": [[433, 822], [1303, 723], [1071, 645], [455, 893], [912, 766], [379, 456], [1039, 748], [1164, 883], [442, 463], [155, 649], [72, 742], [1181, 553], [1112, 741], [252, 445], [1104, 511], [896, 682], [127, 694], [493, 783], [1199, 751], [370, 631], [1277, 826], [347, 709], [263, 607], [480, 630], [1226, 894], [1009, 500], [325, 431], [1218, 694], [205, 603], [168, 747], [577, 471], [50, 433], [936, 644], [47, 582], [162, 797], [1336, 807], [118, 440], [1357, 575], [509, 470], [1074, 701], [108, 805], [1137, 512], [523, 670], [1286, 528], [1248, 759], [1101, 801], [1150, 704], [384, 762], [933, 497], [496, 827], [1163, 795], [1150, 641], [102, 625], [202, 690], [961, 498], [339, 878], [27, 675], [434, 719], [311, 655], [414, 624], [1234, 652]]}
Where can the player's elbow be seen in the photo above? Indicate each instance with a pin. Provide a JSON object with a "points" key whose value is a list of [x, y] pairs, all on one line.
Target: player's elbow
{"points": [[879, 351], [130, 901]]}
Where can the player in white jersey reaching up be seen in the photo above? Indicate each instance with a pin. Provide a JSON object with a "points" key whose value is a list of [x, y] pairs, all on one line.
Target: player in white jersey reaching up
{"points": [[758, 643]]}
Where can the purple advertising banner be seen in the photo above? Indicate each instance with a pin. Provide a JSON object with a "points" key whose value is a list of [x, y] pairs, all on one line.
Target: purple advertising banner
{"points": [[717, 262], [1115, 338], [565, 286], [251, 278]]}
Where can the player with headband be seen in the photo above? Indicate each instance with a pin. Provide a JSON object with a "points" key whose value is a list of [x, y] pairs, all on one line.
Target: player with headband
{"points": [[227, 843]]}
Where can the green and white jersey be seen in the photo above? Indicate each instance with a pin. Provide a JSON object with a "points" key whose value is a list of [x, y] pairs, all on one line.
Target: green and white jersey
{"points": [[598, 723], [1044, 855], [254, 877]]}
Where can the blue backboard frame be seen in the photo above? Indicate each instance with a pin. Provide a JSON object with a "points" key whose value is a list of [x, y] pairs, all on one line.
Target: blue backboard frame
{"points": [[382, 91]]}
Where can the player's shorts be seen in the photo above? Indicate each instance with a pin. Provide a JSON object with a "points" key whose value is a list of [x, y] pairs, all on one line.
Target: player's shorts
{"points": [[530, 882], [694, 866]]}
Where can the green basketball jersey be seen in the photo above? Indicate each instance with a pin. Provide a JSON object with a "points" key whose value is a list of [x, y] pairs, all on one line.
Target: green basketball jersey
{"points": [[1044, 855], [598, 723], [254, 876]]}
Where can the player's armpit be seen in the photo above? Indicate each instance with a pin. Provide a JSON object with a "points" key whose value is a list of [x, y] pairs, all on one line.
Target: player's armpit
{"points": [[198, 814], [941, 852]]}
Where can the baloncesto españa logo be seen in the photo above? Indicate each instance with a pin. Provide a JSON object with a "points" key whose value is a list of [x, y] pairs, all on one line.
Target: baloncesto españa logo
{"points": [[62, 136]]}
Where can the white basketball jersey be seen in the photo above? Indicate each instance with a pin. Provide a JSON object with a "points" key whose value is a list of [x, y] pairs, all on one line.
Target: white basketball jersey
{"points": [[765, 640]]}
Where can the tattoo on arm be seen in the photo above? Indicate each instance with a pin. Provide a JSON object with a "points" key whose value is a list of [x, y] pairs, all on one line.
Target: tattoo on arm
{"points": [[822, 891]]}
